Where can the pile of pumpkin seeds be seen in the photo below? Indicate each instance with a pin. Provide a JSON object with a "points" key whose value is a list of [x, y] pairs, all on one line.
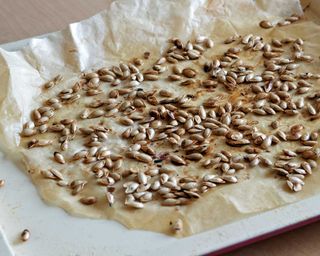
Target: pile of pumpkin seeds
{"points": [[153, 117]]}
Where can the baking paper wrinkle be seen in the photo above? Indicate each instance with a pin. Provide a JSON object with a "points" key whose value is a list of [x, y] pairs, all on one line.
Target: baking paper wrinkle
{"points": [[125, 30]]}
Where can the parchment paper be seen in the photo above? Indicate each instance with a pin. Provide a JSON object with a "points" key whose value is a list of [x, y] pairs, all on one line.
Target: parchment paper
{"points": [[123, 31]]}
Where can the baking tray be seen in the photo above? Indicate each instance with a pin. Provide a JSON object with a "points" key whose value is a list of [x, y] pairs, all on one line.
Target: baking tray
{"points": [[55, 233]]}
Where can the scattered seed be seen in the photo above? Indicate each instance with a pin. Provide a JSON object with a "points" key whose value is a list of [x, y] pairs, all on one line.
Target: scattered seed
{"points": [[110, 198], [208, 43], [177, 160], [59, 157], [189, 72], [25, 235], [134, 204], [177, 226], [88, 200], [265, 24], [231, 179], [126, 121]]}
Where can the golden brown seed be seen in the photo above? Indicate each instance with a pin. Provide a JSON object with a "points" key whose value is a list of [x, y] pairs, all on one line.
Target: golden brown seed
{"points": [[265, 24], [177, 160], [2, 182], [194, 156], [64, 145], [188, 82], [107, 78], [231, 39], [143, 158], [208, 43], [39, 143], [88, 200], [209, 83], [25, 235], [138, 61], [275, 124], [96, 113], [174, 77], [57, 174], [189, 72], [146, 55], [165, 93], [134, 204], [49, 84], [284, 23], [62, 183], [311, 109], [193, 54], [48, 174], [110, 198], [89, 76], [270, 55], [177, 70], [59, 157], [27, 132], [126, 121], [296, 128], [151, 77]]}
